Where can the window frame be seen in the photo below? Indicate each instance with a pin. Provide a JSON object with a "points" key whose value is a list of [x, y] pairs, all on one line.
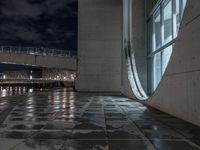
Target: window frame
{"points": [[152, 51]]}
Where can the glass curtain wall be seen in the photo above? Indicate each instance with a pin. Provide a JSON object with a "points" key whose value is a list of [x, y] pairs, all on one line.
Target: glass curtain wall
{"points": [[163, 25]]}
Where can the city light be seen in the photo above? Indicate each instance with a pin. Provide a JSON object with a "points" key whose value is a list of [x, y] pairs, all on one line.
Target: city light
{"points": [[30, 90], [4, 76]]}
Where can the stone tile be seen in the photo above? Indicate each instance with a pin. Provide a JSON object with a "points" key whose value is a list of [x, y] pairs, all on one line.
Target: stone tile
{"points": [[121, 134], [90, 121], [85, 145], [174, 145], [162, 134], [28, 126], [59, 125], [51, 134], [89, 134], [37, 144], [16, 134], [130, 145], [7, 144]]}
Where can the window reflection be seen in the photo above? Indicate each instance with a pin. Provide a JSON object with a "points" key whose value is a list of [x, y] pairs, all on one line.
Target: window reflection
{"points": [[165, 57], [163, 27], [167, 22], [157, 70], [157, 30], [177, 18]]}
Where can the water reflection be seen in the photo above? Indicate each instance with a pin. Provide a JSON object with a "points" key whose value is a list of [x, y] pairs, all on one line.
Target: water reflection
{"points": [[68, 104], [30, 109], [56, 101], [14, 90], [62, 104]]}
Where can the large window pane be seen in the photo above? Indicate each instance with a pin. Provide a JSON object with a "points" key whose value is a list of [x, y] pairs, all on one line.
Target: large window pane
{"points": [[163, 27], [166, 54], [157, 70], [177, 17], [167, 21], [157, 30]]}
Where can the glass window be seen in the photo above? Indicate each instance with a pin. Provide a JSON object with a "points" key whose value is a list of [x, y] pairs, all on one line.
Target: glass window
{"points": [[184, 3], [157, 70], [157, 30], [176, 18], [166, 54], [163, 28], [167, 22]]}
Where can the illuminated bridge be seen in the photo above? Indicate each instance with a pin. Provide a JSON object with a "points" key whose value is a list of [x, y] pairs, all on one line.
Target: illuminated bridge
{"points": [[38, 56]]}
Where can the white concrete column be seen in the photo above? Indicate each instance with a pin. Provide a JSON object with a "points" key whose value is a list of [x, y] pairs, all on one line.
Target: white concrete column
{"points": [[99, 45]]}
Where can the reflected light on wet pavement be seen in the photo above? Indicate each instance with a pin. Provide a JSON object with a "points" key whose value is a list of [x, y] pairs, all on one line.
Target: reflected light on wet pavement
{"points": [[65, 120]]}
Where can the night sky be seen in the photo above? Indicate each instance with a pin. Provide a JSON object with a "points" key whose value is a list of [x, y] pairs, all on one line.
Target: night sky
{"points": [[38, 23], [45, 23]]}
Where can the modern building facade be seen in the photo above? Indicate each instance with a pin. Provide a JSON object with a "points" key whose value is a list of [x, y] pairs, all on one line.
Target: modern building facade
{"points": [[145, 49], [137, 83]]}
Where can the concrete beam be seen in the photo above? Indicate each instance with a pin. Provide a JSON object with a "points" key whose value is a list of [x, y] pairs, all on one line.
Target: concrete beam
{"points": [[41, 61]]}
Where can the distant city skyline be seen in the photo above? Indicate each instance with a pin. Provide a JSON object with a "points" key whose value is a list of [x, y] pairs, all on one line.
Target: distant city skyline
{"points": [[40, 23]]}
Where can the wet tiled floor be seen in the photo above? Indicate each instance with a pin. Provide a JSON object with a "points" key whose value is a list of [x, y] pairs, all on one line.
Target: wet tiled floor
{"points": [[61, 120]]}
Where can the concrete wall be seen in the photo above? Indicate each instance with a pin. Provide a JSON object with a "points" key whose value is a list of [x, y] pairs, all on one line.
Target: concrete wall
{"points": [[179, 91], [99, 45], [42, 61]]}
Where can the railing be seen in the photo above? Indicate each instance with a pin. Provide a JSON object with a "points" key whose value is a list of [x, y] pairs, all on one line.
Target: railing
{"points": [[37, 51], [35, 80]]}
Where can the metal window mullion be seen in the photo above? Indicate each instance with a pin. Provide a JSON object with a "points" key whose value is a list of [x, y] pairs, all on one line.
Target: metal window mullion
{"points": [[173, 19], [154, 9], [153, 48], [163, 47], [162, 70], [162, 23], [154, 29], [153, 35], [162, 32]]}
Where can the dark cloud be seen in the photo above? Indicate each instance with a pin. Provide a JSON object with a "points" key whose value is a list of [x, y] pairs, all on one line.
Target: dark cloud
{"points": [[48, 23]]}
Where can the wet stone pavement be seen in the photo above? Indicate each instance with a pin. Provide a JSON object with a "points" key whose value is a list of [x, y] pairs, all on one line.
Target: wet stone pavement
{"points": [[62, 120]]}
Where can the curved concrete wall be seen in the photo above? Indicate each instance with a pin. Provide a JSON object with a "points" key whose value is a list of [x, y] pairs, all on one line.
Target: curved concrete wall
{"points": [[179, 91], [42, 61]]}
